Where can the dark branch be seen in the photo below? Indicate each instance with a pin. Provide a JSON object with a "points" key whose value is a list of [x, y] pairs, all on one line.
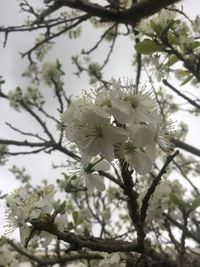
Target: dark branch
{"points": [[45, 145], [152, 188], [130, 16], [186, 147], [93, 243]]}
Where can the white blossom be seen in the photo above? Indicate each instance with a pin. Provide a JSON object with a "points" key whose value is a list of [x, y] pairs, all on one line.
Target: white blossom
{"points": [[111, 260], [61, 221], [7, 258], [162, 19], [132, 105], [89, 127], [136, 158], [117, 117], [88, 172], [24, 206], [51, 72]]}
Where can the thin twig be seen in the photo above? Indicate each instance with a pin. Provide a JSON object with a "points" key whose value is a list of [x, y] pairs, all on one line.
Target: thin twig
{"points": [[189, 100]]}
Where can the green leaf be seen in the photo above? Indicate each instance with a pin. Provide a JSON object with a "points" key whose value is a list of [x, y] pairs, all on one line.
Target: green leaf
{"points": [[172, 60], [60, 208], [77, 218], [168, 27], [189, 77], [177, 201], [195, 203], [157, 28], [148, 47], [172, 39], [195, 44]]}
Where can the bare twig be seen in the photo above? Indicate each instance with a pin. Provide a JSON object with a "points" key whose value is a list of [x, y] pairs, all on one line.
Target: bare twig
{"points": [[186, 178], [189, 100], [49, 38], [99, 41], [181, 227], [25, 133], [110, 50]]}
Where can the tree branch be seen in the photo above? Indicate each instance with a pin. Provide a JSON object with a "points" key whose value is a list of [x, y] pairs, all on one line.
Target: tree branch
{"points": [[152, 188], [186, 147], [180, 226], [129, 16], [93, 243], [45, 145], [53, 260], [192, 102]]}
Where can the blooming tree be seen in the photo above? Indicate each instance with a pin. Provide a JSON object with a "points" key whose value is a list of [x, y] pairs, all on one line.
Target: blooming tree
{"points": [[124, 195]]}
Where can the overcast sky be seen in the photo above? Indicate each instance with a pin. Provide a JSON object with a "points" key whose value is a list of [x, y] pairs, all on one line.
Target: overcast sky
{"points": [[12, 65]]}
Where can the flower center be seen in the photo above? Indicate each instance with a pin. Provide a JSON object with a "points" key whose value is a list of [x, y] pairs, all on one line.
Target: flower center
{"points": [[133, 100], [129, 148], [99, 131]]}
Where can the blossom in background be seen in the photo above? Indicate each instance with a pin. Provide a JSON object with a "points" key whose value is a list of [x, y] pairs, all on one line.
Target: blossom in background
{"points": [[23, 207], [7, 257], [61, 221], [51, 72], [111, 260]]}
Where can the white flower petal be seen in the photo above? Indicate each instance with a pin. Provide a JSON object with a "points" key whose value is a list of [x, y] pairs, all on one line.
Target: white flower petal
{"points": [[98, 182], [151, 151], [144, 136], [61, 221], [24, 231], [142, 163], [94, 180], [89, 183], [120, 110], [107, 150], [103, 165]]}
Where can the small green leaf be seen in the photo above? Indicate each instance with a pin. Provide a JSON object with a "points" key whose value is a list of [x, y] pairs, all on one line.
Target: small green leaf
{"points": [[195, 44], [148, 47], [168, 27], [172, 39], [77, 218], [195, 203], [182, 73], [177, 201], [157, 28], [189, 77], [172, 60], [60, 208]]}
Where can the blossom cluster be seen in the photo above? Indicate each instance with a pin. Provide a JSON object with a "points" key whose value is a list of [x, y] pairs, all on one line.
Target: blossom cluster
{"points": [[117, 122], [7, 258], [24, 207], [31, 96]]}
